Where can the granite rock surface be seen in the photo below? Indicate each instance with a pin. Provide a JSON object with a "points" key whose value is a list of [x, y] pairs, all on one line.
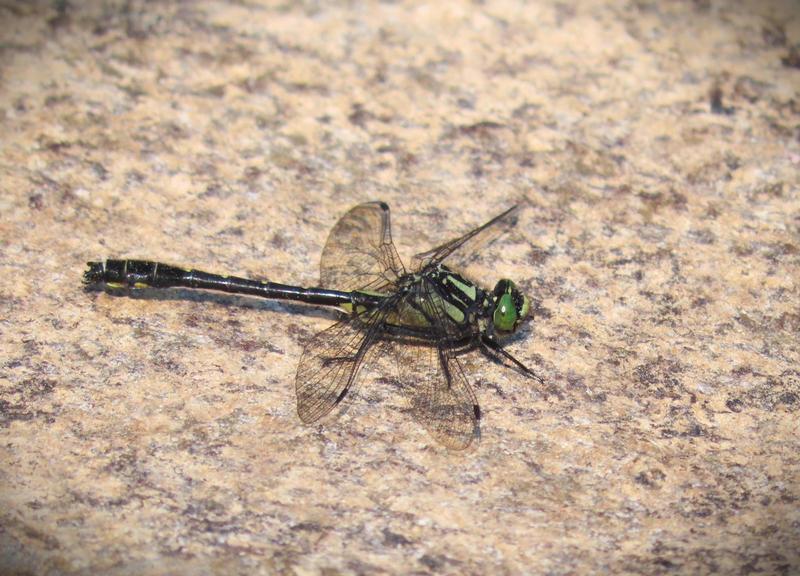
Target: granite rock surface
{"points": [[655, 150]]}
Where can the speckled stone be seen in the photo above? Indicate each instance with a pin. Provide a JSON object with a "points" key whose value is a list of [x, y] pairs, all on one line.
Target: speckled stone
{"points": [[655, 147]]}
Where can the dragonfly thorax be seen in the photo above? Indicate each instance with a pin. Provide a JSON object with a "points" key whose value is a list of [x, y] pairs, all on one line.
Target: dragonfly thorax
{"points": [[468, 305]]}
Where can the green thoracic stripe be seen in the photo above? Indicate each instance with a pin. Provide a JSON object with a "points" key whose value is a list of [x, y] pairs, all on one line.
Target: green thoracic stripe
{"points": [[468, 290], [456, 293], [456, 313]]}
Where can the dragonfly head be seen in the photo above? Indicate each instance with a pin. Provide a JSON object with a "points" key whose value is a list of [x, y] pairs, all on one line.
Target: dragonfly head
{"points": [[510, 306]]}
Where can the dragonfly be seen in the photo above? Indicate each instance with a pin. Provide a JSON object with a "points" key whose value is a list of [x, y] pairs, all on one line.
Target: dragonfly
{"points": [[427, 317]]}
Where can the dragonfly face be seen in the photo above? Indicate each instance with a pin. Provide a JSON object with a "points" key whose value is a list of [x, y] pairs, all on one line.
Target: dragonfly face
{"points": [[510, 306]]}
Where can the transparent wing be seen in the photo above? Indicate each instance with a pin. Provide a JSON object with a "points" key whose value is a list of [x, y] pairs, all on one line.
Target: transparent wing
{"points": [[329, 366], [440, 396], [359, 253], [470, 243]]}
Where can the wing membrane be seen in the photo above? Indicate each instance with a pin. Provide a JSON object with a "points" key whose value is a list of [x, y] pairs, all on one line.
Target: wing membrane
{"points": [[330, 364], [467, 245], [359, 253], [439, 395]]}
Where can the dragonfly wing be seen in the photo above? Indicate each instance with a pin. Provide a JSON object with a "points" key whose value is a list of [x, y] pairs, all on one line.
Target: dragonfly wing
{"points": [[359, 253], [441, 398], [468, 245], [439, 394], [330, 363]]}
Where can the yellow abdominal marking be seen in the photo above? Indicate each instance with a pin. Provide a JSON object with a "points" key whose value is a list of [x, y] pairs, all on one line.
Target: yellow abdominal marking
{"points": [[348, 307]]}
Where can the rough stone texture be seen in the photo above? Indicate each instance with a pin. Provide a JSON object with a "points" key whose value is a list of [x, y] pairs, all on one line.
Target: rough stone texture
{"points": [[656, 148]]}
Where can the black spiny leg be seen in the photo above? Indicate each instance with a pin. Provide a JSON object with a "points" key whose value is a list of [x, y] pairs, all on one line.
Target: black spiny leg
{"points": [[445, 368], [493, 350]]}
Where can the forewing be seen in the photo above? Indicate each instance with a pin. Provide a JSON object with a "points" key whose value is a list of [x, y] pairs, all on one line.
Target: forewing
{"points": [[330, 364], [470, 243], [359, 253]]}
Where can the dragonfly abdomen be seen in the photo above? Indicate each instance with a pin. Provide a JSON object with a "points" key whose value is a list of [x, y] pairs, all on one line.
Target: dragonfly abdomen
{"points": [[135, 274]]}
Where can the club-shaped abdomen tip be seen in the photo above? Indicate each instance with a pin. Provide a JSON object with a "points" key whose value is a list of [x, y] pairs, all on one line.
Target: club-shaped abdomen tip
{"points": [[95, 273]]}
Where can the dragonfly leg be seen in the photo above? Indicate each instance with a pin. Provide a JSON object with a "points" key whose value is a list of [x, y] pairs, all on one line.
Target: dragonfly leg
{"points": [[445, 367], [492, 348]]}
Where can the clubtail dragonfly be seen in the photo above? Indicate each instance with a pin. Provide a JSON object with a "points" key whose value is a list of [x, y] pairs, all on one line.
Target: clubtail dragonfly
{"points": [[427, 317]]}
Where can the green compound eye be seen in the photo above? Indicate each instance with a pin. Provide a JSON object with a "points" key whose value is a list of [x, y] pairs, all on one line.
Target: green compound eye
{"points": [[505, 313]]}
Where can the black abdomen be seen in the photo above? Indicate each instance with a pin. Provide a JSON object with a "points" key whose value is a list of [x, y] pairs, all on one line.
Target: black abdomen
{"points": [[134, 274]]}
